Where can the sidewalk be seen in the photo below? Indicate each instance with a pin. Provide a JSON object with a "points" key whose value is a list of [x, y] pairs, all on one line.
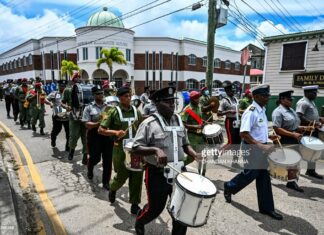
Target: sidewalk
{"points": [[8, 219]]}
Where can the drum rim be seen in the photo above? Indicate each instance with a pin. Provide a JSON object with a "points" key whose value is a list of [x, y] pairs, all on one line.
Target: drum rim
{"points": [[311, 148], [185, 224], [193, 193], [287, 165]]}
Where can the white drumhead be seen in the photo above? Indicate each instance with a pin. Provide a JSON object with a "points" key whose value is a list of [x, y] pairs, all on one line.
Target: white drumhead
{"points": [[285, 157], [312, 143], [321, 129], [129, 145], [199, 184], [211, 129], [179, 103]]}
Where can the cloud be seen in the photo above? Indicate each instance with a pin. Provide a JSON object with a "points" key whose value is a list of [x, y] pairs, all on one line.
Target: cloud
{"points": [[267, 28], [17, 28]]}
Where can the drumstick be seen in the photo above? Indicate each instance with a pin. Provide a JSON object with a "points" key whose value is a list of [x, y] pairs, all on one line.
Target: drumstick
{"points": [[313, 129], [175, 169], [277, 138], [126, 130]]}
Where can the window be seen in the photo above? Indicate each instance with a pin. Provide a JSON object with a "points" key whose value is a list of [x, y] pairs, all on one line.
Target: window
{"points": [[65, 55], [204, 61], [118, 82], [85, 53], [228, 64], [30, 59], [293, 56], [128, 55], [19, 62], [217, 63], [237, 66], [202, 83], [192, 59], [10, 64], [191, 84], [98, 52], [217, 84], [52, 60], [78, 57], [24, 61], [15, 64], [254, 64]]}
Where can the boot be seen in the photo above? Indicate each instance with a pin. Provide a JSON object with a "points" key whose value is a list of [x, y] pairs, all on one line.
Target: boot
{"points": [[42, 131], [53, 143], [21, 123], [85, 159], [28, 125], [67, 148], [71, 154], [139, 228], [90, 172], [33, 127]]}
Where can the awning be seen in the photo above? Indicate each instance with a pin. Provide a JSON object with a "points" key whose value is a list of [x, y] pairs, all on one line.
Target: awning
{"points": [[256, 72]]}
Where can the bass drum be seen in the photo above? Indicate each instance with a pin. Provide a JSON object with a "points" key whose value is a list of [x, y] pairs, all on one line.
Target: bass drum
{"points": [[182, 101], [81, 96]]}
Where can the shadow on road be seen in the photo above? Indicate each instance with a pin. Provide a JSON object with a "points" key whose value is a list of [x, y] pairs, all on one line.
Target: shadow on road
{"points": [[309, 192]]}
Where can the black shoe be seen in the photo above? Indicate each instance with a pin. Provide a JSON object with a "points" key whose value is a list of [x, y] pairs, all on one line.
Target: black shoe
{"points": [[90, 174], [15, 118], [293, 185], [71, 154], [85, 159], [33, 127], [8, 116], [105, 186], [42, 131], [313, 173], [112, 196], [135, 209], [53, 143], [28, 125], [227, 194], [139, 228], [272, 214], [21, 124], [67, 148]]}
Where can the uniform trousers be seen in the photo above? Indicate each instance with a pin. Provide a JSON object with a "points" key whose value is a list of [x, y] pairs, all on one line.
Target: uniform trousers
{"points": [[233, 134], [77, 130], [8, 100], [15, 108], [100, 147], [37, 114], [57, 127], [158, 191], [24, 115]]}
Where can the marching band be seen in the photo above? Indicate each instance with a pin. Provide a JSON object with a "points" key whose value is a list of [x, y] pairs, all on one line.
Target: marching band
{"points": [[162, 142]]}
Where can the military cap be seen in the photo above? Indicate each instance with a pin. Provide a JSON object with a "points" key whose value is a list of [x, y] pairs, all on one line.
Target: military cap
{"points": [[227, 85], [75, 76], [24, 80], [105, 84], [151, 93], [9, 80], [194, 95], [310, 88], [166, 93], [123, 90], [263, 89], [286, 94], [97, 90], [38, 84], [203, 89]]}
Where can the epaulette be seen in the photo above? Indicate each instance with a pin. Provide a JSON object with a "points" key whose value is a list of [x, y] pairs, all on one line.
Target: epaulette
{"points": [[252, 108]]}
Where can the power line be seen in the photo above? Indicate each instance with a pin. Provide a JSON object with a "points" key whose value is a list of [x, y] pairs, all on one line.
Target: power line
{"points": [[315, 8], [292, 17]]}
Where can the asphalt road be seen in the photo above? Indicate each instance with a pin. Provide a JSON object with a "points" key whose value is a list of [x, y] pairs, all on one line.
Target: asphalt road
{"points": [[83, 208]]}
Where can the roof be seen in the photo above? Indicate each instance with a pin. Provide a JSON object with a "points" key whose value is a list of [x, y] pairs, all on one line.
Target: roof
{"points": [[295, 36], [105, 18]]}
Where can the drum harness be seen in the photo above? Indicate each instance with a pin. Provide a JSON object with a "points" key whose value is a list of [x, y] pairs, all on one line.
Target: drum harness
{"points": [[130, 122], [237, 122]]}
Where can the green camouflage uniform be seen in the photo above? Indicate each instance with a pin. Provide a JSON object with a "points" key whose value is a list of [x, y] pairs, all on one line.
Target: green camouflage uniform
{"points": [[204, 101], [113, 122], [24, 115], [245, 103], [36, 112]]}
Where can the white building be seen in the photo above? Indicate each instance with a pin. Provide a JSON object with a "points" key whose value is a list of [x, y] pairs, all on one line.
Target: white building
{"points": [[149, 59]]}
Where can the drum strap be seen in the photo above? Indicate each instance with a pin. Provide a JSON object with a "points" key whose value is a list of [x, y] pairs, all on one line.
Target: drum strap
{"points": [[130, 120], [174, 130], [194, 116]]}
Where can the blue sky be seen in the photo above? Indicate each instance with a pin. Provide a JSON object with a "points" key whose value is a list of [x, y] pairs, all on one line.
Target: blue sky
{"points": [[21, 20]]}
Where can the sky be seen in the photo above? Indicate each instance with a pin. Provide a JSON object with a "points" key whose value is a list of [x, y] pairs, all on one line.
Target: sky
{"points": [[249, 20]]}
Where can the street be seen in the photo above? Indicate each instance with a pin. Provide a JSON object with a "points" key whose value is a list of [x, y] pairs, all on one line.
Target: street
{"points": [[66, 202]]}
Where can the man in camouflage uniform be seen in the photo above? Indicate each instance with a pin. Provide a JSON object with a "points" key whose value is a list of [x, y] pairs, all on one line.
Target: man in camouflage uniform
{"points": [[36, 97], [21, 93], [116, 125], [8, 97], [206, 105], [246, 101]]}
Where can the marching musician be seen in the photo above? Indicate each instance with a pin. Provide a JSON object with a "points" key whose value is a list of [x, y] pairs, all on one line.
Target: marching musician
{"points": [[156, 145], [228, 107], [7, 94], [121, 123], [205, 103], [76, 126], [99, 146], [36, 98], [254, 132], [145, 96], [150, 107], [15, 98], [286, 123], [24, 115], [308, 114], [246, 101], [54, 99]]}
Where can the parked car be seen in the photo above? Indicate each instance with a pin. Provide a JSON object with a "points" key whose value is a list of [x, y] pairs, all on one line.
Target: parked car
{"points": [[219, 92]]}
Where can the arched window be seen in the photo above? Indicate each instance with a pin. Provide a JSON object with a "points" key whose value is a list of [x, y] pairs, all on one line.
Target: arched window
{"points": [[24, 61], [204, 61], [217, 84], [217, 63], [191, 84], [202, 83], [118, 82], [237, 66], [192, 59], [19, 62], [14, 64], [228, 64], [30, 59], [10, 64]]}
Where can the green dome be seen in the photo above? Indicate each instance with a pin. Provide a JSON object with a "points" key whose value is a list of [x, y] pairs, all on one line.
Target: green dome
{"points": [[105, 18]]}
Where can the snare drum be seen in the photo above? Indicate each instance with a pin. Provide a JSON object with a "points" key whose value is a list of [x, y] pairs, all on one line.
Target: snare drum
{"points": [[191, 201], [132, 162], [311, 148], [212, 134], [62, 113], [284, 164], [321, 133]]}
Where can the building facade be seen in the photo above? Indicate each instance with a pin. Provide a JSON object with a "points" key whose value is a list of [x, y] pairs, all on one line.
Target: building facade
{"points": [[150, 60]]}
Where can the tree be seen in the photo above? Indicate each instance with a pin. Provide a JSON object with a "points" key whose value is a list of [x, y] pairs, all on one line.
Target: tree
{"points": [[114, 55], [68, 68]]}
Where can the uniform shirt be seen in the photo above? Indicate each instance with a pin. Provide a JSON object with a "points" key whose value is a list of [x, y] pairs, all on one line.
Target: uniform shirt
{"points": [[112, 120], [67, 96], [145, 98], [254, 121], [56, 98], [204, 100], [21, 92], [228, 103], [92, 112], [308, 109], [285, 118], [7, 89], [187, 118], [149, 109], [34, 102], [150, 133], [245, 103]]}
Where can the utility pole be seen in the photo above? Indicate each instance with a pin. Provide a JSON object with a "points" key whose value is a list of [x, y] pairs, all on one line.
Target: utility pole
{"points": [[212, 22]]}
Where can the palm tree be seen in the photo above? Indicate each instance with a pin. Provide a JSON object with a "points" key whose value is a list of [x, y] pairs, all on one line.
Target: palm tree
{"points": [[109, 57], [68, 67]]}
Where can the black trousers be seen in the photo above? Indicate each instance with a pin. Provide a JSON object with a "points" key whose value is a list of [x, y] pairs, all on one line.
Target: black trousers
{"points": [[8, 100], [100, 147], [158, 191], [15, 108], [57, 127]]}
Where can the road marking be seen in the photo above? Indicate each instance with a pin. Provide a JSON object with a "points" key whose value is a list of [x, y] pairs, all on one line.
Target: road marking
{"points": [[47, 203], [24, 182]]}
